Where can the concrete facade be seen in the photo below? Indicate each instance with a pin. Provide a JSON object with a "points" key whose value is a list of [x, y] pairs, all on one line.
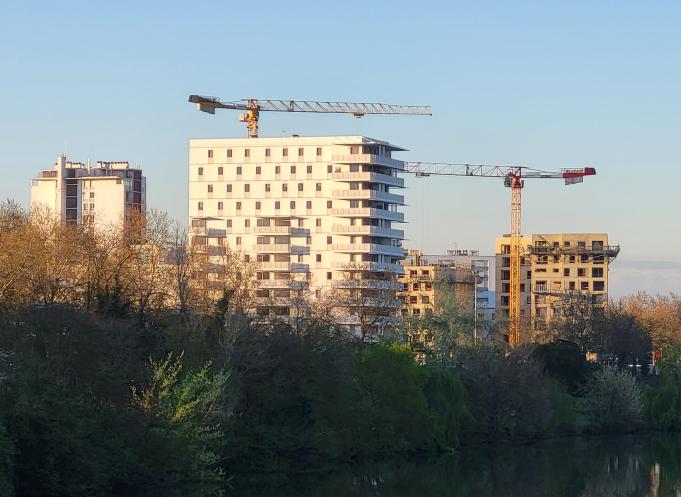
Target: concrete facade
{"points": [[553, 267], [315, 210]]}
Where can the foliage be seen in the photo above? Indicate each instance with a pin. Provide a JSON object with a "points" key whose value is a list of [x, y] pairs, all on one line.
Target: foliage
{"points": [[614, 401], [564, 361], [6, 463], [664, 402]]}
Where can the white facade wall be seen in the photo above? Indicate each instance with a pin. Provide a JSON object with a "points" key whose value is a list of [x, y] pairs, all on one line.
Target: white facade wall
{"points": [[336, 194], [103, 194]]}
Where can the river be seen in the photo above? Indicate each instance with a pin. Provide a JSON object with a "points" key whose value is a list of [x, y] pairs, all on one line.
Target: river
{"points": [[625, 466]]}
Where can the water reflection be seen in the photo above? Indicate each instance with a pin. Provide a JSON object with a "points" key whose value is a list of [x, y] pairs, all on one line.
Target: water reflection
{"points": [[613, 467]]}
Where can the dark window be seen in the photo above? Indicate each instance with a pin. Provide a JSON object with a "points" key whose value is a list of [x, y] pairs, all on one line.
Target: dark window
{"points": [[284, 152], [329, 204], [300, 152], [319, 151], [300, 187], [210, 154], [229, 152], [238, 206], [220, 171], [258, 170], [247, 152], [238, 169], [200, 171], [200, 206]]}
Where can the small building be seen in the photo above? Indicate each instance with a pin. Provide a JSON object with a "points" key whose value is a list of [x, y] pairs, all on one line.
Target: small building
{"points": [[106, 194]]}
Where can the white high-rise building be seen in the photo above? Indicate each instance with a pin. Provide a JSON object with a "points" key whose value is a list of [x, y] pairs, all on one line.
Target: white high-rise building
{"points": [[319, 210], [106, 194]]}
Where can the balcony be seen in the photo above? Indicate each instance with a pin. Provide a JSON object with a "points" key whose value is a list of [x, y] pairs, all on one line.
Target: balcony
{"points": [[299, 267], [274, 266], [368, 284], [283, 230], [372, 248], [369, 195], [208, 232], [383, 267], [371, 177], [369, 212], [367, 230], [283, 248], [379, 160]]}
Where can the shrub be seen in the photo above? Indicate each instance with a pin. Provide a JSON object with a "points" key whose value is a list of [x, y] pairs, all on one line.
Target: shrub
{"points": [[614, 401]]}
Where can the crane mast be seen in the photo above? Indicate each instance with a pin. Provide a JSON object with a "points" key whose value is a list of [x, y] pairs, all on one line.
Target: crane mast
{"points": [[514, 177], [252, 108]]}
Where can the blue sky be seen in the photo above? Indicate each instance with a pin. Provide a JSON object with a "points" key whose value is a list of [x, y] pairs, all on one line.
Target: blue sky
{"points": [[543, 84]]}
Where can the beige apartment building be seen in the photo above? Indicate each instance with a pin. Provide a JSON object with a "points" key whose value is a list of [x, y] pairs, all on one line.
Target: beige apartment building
{"points": [[553, 268], [105, 194], [427, 285], [315, 213]]}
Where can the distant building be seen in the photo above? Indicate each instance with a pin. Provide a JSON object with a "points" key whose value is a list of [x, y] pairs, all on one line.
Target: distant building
{"points": [[427, 285], [483, 268], [554, 267], [107, 193], [315, 213]]}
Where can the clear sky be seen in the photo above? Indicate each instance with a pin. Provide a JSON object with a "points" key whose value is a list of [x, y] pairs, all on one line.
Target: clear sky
{"points": [[543, 84]]}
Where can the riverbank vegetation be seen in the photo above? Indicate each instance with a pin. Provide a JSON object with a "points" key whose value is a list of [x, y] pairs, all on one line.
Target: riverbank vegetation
{"points": [[105, 387]]}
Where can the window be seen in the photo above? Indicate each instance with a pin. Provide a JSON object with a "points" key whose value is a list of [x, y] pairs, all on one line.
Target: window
{"points": [[238, 170], [505, 274], [229, 153], [229, 188], [329, 240], [238, 240], [318, 222], [566, 272], [292, 204], [329, 204], [200, 206], [221, 171], [319, 151], [599, 286], [229, 223], [309, 169], [300, 187], [238, 206], [284, 187], [277, 169], [584, 285], [301, 152], [329, 168], [277, 205], [247, 223], [329, 275], [92, 194], [210, 188], [284, 152], [354, 149], [247, 188], [258, 170], [257, 206], [581, 272], [200, 171], [308, 204], [318, 257], [597, 272], [293, 169], [220, 205], [210, 154], [268, 152], [247, 152], [267, 187], [318, 187], [263, 222]]}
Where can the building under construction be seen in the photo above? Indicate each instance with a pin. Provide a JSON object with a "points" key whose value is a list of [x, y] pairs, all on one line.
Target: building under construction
{"points": [[554, 267]]}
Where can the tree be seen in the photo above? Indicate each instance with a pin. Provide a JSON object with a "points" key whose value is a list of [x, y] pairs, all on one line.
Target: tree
{"points": [[660, 316], [614, 401]]}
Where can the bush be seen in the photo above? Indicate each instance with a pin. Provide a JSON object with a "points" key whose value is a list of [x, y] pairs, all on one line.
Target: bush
{"points": [[614, 401], [6, 464], [664, 402]]}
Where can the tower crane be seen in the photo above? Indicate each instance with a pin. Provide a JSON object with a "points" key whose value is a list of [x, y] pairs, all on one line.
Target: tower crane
{"points": [[252, 108], [514, 178]]}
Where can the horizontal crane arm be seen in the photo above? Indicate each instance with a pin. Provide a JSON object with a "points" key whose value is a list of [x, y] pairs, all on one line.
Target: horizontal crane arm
{"points": [[489, 171], [209, 104]]}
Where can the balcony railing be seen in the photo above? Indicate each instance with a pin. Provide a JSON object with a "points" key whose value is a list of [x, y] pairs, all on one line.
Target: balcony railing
{"points": [[286, 230], [373, 248], [369, 212], [369, 266], [372, 177], [379, 160], [367, 230], [369, 195]]}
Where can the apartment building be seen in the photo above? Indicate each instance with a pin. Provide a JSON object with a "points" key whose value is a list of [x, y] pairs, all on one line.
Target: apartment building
{"points": [[315, 213], [554, 267], [483, 267], [427, 285], [105, 194]]}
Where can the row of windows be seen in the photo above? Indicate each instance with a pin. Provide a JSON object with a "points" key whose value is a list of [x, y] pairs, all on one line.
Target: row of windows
{"points": [[268, 152], [277, 169], [268, 187], [541, 286], [277, 205]]}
